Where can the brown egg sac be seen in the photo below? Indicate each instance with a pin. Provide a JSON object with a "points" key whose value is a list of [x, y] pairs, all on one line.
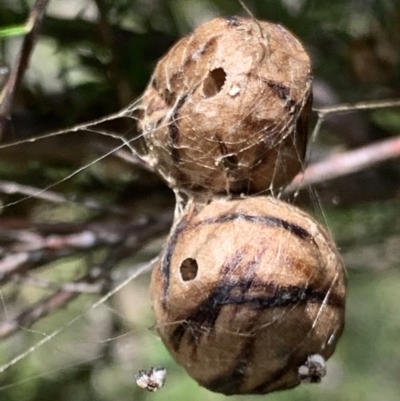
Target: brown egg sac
{"points": [[226, 110], [249, 296]]}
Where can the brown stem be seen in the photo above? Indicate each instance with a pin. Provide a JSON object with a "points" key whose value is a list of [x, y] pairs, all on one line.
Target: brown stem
{"points": [[27, 250], [10, 187], [17, 71], [108, 38], [346, 163], [98, 274]]}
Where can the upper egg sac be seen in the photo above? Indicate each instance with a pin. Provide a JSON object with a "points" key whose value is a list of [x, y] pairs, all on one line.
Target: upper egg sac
{"points": [[229, 111]]}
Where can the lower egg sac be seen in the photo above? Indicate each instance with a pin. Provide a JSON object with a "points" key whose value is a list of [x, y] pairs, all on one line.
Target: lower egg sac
{"points": [[247, 294]]}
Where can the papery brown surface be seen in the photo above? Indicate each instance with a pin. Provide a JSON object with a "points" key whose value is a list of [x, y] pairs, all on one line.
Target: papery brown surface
{"points": [[269, 291], [227, 108]]}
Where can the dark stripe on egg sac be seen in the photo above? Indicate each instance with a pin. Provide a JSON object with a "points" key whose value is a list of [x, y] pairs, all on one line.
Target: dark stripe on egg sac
{"points": [[247, 291], [254, 294], [173, 129], [202, 50], [270, 384], [205, 314], [229, 161], [201, 322], [283, 92], [166, 259], [265, 220], [270, 295], [230, 383]]}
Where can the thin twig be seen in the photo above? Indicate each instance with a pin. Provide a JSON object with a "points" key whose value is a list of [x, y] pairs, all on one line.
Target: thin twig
{"points": [[116, 73], [66, 178], [129, 243], [346, 163], [140, 270], [18, 70], [10, 187], [352, 107], [81, 287], [26, 250], [63, 296], [125, 112]]}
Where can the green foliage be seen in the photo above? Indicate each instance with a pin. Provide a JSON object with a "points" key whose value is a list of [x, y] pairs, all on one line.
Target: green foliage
{"points": [[13, 30]]}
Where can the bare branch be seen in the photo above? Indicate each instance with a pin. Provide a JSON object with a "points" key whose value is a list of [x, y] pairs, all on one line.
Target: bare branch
{"points": [[352, 107], [81, 288], [108, 38], [17, 71], [98, 274], [141, 269], [9, 187], [26, 250], [346, 163]]}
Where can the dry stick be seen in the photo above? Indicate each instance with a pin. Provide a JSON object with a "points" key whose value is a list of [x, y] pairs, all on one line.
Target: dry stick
{"points": [[80, 288], [49, 304], [21, 262], [17, 72], [324, 112], [126, 112], [9, 187], [352, 107], [131, 244], [31, 250], [116, 73], [66, 178], [346, 163], [140, 270], [37, 311], [11, 263], [85, 126]]}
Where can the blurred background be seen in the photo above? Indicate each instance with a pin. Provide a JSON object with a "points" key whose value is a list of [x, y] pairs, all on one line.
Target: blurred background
{"points": [[63, 246]]}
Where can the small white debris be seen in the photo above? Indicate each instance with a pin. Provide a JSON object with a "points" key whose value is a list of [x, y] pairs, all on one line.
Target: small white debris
{"points": [[152, 379], [313, 370], [234, 90]]}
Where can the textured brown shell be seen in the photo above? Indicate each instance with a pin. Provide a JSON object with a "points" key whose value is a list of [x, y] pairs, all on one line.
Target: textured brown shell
{"points": [[227, 108], [245, 291]]}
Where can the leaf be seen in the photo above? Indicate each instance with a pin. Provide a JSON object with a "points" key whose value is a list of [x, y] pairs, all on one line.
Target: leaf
{"points": [[14, 30]]}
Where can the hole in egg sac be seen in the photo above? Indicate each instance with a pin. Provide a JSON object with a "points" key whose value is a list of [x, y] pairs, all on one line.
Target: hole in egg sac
{"points": [[214, 82], [188, 269]]}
